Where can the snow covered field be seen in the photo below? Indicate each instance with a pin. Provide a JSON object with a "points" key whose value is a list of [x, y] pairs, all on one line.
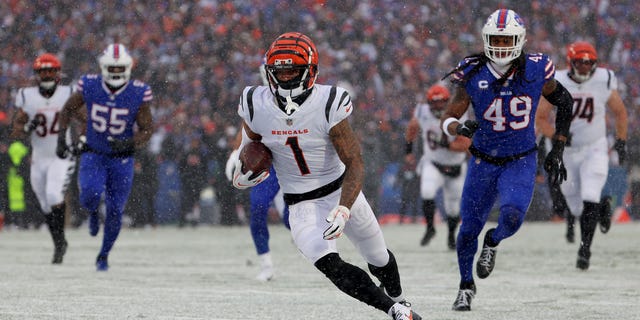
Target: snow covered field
{"points": [[208, 273]]}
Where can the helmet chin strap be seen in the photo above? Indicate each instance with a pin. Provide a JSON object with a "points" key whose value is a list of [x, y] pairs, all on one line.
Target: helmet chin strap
{"points": [[291, 106]]}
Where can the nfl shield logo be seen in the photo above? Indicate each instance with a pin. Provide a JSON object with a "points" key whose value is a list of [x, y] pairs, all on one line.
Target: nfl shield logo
{"points": [[289, 122]]}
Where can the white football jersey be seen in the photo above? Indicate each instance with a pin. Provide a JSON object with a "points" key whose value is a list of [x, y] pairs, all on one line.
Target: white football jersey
{"points": [[432, 135], [303, 154], [44, 137], [589, 104]]}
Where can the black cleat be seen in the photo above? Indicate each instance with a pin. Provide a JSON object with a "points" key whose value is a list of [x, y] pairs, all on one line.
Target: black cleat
{"points": [[582, 263], [102, 264], [487, 259], [463, 300], [605, 214], [583, 258], [571, 237], [59, 252], [451, 241], [428, 235]]}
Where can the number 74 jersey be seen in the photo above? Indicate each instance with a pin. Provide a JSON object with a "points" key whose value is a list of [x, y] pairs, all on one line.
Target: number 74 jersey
{"points": [[589, 105], [303, 154]]}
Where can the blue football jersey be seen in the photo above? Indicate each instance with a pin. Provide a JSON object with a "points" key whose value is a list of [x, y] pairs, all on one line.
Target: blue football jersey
{"points": [[506, 114], [111, 115]]}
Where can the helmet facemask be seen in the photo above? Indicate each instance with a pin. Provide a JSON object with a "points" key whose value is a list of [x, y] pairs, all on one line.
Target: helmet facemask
{"points": [[291, 52], [115, 64], [583, 60], [292, 87], [47, 78], [47, 69], [506, 23], [438, 97]]}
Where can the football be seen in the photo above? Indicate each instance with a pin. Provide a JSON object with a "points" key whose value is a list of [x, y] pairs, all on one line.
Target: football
{"points": [[255, 157]]}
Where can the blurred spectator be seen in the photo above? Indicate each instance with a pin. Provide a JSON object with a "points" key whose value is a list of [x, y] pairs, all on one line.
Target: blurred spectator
{"points": [[197, 55], [194, 179], [140, 204]]}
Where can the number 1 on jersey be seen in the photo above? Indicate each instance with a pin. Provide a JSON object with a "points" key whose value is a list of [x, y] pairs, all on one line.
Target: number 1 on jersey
{"points": [[292, 142]]}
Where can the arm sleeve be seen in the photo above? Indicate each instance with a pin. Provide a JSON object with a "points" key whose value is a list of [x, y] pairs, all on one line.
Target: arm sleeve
{"points": [[562, 99]]}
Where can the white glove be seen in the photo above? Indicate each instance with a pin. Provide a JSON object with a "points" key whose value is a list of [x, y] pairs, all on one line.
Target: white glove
{"points": [[338, 218], [242, 181], [231, 162]]}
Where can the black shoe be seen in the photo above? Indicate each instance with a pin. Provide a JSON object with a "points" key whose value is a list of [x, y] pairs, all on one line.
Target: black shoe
{"points": [[463, 300], [583, 258], [451, 241], [605, 215], [102, 264], [487, 259], [571, 237], [582, 263], [59, 252], [431, 232]]}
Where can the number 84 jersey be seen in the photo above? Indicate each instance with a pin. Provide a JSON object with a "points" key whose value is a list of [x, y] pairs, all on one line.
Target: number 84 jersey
{"points": [[303, 154], [44, 137]]}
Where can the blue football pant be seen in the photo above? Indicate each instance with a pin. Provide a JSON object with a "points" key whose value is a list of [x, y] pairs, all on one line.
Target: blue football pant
{"points": [[261, 197], [100, 174], [512, 184]]}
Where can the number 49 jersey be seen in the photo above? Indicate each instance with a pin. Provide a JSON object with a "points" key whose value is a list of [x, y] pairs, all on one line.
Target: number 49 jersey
{"points": [[303, 154], [506, 113], [111, 114], [44, 137], [589, 105]]}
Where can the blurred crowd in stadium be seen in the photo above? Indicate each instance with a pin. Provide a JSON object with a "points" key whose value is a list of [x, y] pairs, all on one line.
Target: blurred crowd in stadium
{"points": [[198, 56]]}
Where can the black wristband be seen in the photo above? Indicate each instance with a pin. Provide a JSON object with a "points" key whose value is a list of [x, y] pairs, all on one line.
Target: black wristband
{"points": [[408, 147]]}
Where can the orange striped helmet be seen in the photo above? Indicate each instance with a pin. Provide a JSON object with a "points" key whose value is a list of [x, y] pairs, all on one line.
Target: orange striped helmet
{"points": [[291, 52], [438, 92], [437, 97], [582, 53], [47, 80]]}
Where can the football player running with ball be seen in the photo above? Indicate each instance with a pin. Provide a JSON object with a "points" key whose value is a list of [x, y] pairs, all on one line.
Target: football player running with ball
{"points": [[37, 117], [503, 86], [320, 169], [593, 89]]}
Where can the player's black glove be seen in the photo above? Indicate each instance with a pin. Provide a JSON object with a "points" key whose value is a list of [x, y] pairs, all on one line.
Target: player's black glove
{"points": [[33, 124], [554, 165], [467, 129], [620, 147], [80, 146], [121, 146], [62, 149]]}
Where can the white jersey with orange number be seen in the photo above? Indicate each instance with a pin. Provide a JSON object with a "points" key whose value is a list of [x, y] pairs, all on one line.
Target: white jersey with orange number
{"points": [[44, 137], [303, 154], [50, 175], [589, 104]]}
